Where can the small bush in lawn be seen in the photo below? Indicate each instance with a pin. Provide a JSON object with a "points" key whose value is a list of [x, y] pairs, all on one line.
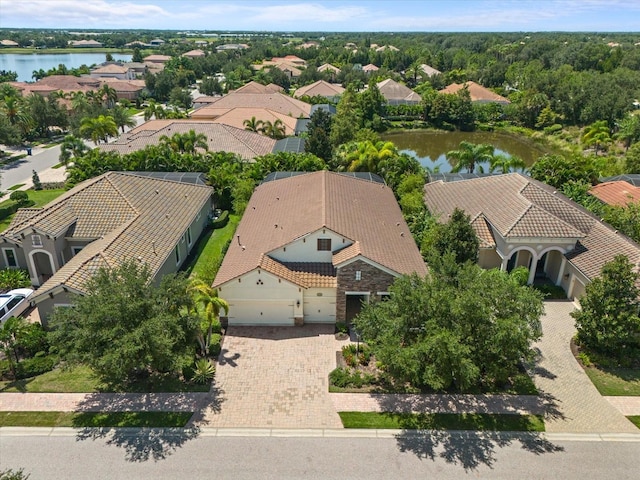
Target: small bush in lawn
{"points": [[356, 355], [204, 371], [31, 367], [344, 378], [215, 347]]}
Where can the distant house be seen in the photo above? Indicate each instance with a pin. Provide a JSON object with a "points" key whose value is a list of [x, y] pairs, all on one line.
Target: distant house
{"points": [[383, 48], [8, 43], [85, 44], [278, 102], [100, 223], [321, 88], [618, 193], [156, 59], [307, 45], [327, 67], [157, 42], [194, 54], [313, 247], [137, 44], [369, 68], [58, 83], [220, 138], [398, 94], [523, 222], [125, 89], [429, 71], [255, 87], [121, 72], [232, 46], [478, 93]]}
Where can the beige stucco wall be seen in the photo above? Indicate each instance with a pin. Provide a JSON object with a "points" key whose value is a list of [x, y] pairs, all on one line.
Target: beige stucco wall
{"points": [[46, 306], [489, 259], [305, 249]]}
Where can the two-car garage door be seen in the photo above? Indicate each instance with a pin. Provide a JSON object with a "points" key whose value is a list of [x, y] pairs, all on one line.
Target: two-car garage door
{"points": [[261, 312]]}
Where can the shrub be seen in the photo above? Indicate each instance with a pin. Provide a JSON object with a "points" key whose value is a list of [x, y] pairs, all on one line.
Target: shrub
{"points": [[33, 340], [35, 178], [11, 278], [344, 378], [20, 197], [555, 128], [342, 327], [221, 221], [355, 356], [30, 367], [215, 346], [204, 371]]}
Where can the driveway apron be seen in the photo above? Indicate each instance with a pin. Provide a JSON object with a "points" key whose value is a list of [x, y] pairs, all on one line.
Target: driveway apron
{"points": [[276, 377], [574, 405]]}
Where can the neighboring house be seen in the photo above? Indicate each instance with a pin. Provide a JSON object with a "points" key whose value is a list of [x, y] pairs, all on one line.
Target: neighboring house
{"points": [[113, 70], [523, 222], [85, 44], [630, 178], [255, 87], [429, 71], [312, 247], [57, 83], [368, 68], [138, 68], [232, 46], [125, 89], [220, 138], [100, 223], [9, 43], [235, 117], [157, 42], [478, 93], [194, 54], [321, 88], [327, 67], [618, 193], [290, 70], [398, 94], [383, 48], [137, 44], [309, 44], [156, 59], [278, 102]]}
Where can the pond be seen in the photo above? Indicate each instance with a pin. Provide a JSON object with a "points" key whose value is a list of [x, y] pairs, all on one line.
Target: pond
{"points": [[25, 63], [430, 147]]}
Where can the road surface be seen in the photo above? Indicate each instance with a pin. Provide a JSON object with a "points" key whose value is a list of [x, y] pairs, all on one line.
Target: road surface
{"points": [[67, 454]]}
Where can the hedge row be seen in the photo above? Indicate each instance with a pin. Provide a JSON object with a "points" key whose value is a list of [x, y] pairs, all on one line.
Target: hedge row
{"points": [[12, 208], [221, 221]]}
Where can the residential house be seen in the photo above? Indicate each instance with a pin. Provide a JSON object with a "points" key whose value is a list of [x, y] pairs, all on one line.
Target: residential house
{"points": [[321, 88], [125, 89], [156, 59], [309, 44], [220, 138], [478, 93], [278, 102], [630, 178], [85, 44], [255, 87], [235, 117], [232, 46], [57, 83], [100, 223], [523, 222], [194, 54], [156, 42], [618, 193], [429, 71], [327, 67], [312, 247], [113, 70], [9, 43], [384, 48], [369, 68], [397, 94]]}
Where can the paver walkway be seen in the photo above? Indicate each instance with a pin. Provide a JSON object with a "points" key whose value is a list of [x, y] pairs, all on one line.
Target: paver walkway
{"points": [[276, 377], [573, 403]]}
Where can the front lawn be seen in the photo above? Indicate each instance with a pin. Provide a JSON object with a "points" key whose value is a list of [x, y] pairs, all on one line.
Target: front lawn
{"points": [[615, 381], [82, 380], [443, 421], [635, 419], [208, 254], [94, 419], [40, 197]]}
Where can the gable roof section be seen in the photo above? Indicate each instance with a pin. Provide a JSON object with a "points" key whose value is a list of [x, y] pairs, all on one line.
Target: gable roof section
{"points": [[392, 90], [277, 102], [363, 211], [135, 217], [320, 88], [255, 87], [478, 93], [618, 193], [220, 137]]}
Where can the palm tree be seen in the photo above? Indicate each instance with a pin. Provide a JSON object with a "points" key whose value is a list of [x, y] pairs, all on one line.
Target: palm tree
{"points": [[275, 129], [98, 128], [468, 155], [628, 130], [367, 156], [108, 95], [185, 142], [253, 125], [123, 118], [505, 163], [72, 147], [207, 298], [597, 134]]}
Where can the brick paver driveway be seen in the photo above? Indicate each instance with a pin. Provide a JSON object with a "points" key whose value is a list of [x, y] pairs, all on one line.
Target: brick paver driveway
{"points": [[276, 377], [574, 404]]}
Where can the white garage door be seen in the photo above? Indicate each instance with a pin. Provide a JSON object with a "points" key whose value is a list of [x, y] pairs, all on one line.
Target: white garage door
{"points": [[261, 312], [319, 310]]}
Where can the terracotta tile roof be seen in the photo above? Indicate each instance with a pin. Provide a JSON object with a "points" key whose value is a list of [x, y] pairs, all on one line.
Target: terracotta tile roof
{"points": [[255, 87], [429, 70], [483, 230], [124, 85], [9, 43], [394, 91], [220, 137], [618, 193], [111, 68], [320, 88], [194, 53], [357, 209], [477, 92], [157, 58], [235, 117], [277, 102], [129, 216], [370, 68], [516, 206], [328, 67]]}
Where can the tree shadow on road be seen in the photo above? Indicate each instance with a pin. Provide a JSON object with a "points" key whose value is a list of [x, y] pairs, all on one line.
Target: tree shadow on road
{"points": [[151, 443]]}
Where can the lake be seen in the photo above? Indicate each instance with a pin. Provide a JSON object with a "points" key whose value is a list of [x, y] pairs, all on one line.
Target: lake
{"points": [[430, 147], [26, 63]]}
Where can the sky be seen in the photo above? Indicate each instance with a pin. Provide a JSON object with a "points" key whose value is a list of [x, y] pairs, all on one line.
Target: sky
{"points": [[326, 15]]}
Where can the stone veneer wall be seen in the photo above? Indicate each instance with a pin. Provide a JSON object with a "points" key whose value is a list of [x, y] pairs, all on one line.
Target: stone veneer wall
{"points": [[372, 280]]}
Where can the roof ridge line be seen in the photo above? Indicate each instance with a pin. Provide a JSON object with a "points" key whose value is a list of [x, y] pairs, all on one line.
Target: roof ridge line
{"points": [[324, 198], [519, 219], [122, 195]]}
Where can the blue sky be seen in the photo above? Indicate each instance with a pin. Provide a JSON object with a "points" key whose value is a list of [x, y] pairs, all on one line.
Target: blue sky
{"points": [[326, 15]]}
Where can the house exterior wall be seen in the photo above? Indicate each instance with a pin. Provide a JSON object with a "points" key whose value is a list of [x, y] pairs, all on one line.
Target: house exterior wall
{"points": [[372, 280], [489, 258], [305, 249], [19, 255], [49, 246], [319, 305], [46, 306]]}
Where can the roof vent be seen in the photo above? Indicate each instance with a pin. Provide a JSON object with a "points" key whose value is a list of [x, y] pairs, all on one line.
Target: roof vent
{"points": [[277, 198], [243, 248], [402, 234], [397, 224], [157, 191]]}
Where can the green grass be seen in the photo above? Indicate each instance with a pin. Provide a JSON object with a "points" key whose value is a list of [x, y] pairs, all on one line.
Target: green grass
{"points": [[443, 421], [615, 381], [40, 197], [94, 419], [16, 186], [83, 380], [635, 419], [58, 165], [208, 252]]}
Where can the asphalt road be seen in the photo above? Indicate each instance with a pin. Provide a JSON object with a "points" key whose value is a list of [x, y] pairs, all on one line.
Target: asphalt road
{"points": [[21, 170], [67, 454]]}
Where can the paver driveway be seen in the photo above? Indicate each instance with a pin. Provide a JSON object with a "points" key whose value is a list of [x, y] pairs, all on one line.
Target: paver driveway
{"points": [[574, 404], [276, 377]]}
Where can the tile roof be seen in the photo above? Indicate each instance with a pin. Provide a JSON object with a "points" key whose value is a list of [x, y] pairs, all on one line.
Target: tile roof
{"points": [[516, 206], [429, 70], [365, 212], [370, 68], [220, 137], [235, 117], [483, 230], [328, 67], [194, 53], [320, 88], [157, 58], [277, 102], [392, 90], [255, 87], [111, 68], [127, 215], [618, 193], [477, 92]]}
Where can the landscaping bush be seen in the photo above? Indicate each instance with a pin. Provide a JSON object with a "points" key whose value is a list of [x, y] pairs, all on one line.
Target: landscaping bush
{"points": [[203, 371], [30, 367], [53, 185], [221, 221], [354, 356], [215, 347], [11, 278], [342, 327], [20, 197], [344, 378], [12, 208], [33, 340]]}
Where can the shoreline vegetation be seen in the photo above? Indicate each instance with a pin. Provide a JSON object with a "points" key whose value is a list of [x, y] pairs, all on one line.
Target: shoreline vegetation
{"points": [[44, 51]]}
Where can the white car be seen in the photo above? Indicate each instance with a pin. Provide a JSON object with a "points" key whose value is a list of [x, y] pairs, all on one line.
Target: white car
{"points": [[13, 303]]}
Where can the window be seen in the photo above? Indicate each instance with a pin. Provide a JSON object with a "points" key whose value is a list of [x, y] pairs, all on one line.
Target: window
{"points": [[36, 240], [189, 236], [177, 251], [324, 244], [75, 250], [10, 257], [358, 275]]}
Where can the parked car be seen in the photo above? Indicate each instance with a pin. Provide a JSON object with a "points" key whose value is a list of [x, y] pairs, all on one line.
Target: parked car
{"points": [[14, 303]]}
